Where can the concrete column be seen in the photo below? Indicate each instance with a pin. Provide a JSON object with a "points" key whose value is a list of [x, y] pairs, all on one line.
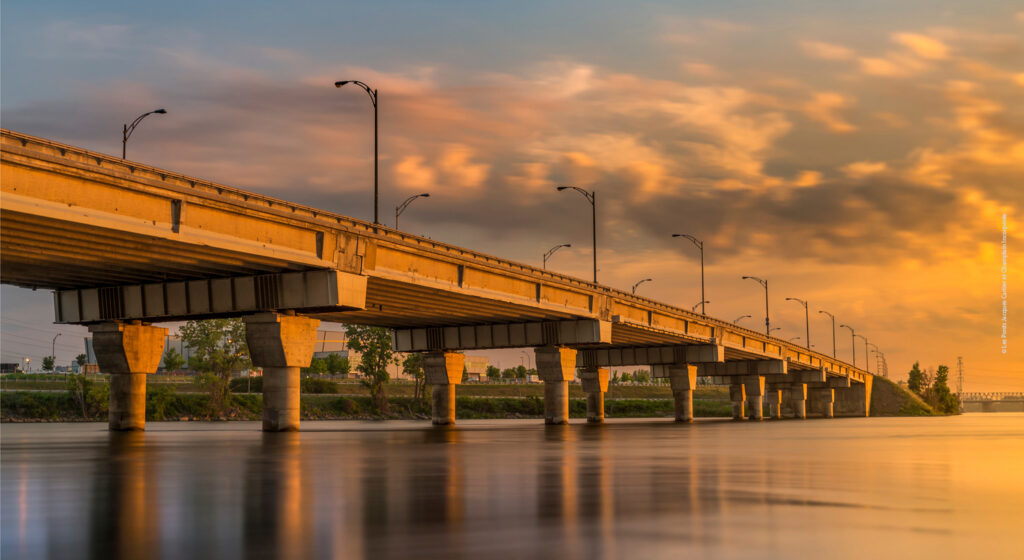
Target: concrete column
{"points": [[738, 396], [556, 367], [127, 351], [280, 344], [595, 385], [755, 395], [774, 397], [855, 400], [443, 371], [683, 379], [825, 400], [797, 394]]}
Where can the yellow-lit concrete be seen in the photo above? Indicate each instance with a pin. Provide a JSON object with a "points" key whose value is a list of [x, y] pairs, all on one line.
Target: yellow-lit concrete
{"points": [[281, 345], [127, 352]]}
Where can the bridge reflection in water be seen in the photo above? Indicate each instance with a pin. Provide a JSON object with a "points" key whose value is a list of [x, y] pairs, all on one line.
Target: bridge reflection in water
{"points": [[505, 489]]}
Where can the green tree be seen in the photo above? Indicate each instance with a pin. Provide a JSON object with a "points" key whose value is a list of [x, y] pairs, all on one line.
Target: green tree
{"points": [[81, 359], [508, 374], [337, 364], [626, 378], [615, 378], [412, 366], [642, 376], [493, 373], [48, 363], [173, 360], [218, 348], [942, 398], [374, 344], [318, 366], [915, 379], [521, 373]]}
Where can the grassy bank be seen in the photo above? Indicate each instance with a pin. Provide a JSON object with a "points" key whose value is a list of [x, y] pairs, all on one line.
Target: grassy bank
{"points": [[165, 404]]}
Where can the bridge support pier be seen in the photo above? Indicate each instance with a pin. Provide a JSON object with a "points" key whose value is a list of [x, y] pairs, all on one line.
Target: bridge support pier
{"points": [[280, 344], [755, 395], [774, 398], [556, 366], [127, 351], [595, 384], [798, 400], [683, 379], [855, 400], [824, 399], [443, 371], [738, 396]]}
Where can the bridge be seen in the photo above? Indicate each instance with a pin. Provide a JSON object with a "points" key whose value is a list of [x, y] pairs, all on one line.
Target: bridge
{"points": [[124, 245], [992, 402]]}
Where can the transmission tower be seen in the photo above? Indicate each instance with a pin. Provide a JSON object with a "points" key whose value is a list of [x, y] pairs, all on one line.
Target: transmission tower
{"points": [[959, 379]]}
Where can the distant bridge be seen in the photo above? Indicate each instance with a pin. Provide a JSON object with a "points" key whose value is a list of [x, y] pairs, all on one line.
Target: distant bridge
{"points": [[992, 402], [124, 245]]}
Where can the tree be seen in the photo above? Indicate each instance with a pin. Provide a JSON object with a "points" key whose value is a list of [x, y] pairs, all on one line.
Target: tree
{"points": [[915, 379], [374, 343], [642, 376], [508, 373], [337, 364], [413, 367], [318, 366], [218, 348], [626, 377], [615, 378], [173, 360], [493, 373], [521, 373], [81, 359], [48, 363], [942, 398]]}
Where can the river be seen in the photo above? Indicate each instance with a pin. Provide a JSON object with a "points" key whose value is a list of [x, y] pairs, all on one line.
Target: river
{"points": [[487, 490]]}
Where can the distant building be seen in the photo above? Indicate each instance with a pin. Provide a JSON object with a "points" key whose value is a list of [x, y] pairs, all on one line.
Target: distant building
{"points": [[476, 368]]}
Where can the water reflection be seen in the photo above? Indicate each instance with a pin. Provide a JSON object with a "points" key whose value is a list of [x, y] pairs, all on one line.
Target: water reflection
{"points": [[514, 490], [124, 520]]}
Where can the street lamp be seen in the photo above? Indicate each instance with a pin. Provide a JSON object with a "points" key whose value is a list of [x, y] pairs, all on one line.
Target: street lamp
{"points": [[373, 99], [701, 305], [700, 245], [833, 317], [794, 339], [401, 207], [551, 251], [867, 364], [130, 128], [853, 343], [807, 320], [761, 281], [591, 198], [740, 318], [638, 283]]}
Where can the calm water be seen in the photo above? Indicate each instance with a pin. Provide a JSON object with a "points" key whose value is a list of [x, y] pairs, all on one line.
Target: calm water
{"points": [[846, 488]]}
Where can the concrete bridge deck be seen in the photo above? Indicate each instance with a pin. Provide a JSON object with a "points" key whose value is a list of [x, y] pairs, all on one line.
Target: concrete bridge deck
{"points": [[123, 243]]}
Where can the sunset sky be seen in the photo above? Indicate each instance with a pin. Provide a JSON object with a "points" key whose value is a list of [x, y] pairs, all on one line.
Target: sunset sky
{"points": [[859, 155]]}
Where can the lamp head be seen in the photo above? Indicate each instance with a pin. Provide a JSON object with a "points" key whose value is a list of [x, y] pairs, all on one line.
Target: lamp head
{"points": [[341, 83], [425, 195], [161, 111], [568, 245], [562, 188]]}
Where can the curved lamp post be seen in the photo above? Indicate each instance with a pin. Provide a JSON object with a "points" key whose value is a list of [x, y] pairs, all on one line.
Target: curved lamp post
{"points": [[737, 320], [867, 364], [638, 283], [551, 251], [130, 128], [853, 343], [833, 317], [763, 282], [373, 99], [699, 304], [401, 207], [807, 320], [700, 245], [591, 198]]}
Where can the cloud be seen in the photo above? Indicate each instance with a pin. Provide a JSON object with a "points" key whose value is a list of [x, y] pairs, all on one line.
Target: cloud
{"points": [[457, 168], [922, 45], [411, 173], [824, 106], [826, 51], [808, 179], [702, 70], [861, 169]]}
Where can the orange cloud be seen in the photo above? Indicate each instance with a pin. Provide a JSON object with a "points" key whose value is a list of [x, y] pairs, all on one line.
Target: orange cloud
{"points": [[826, 51], [922, 45], [861, 169], [824, 106]]}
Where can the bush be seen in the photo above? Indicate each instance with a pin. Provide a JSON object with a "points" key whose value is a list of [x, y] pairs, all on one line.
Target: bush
{"points": [[318, 386]]}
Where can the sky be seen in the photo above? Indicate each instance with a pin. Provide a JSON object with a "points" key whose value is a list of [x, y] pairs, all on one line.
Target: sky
{"points": [[861, 156]]}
